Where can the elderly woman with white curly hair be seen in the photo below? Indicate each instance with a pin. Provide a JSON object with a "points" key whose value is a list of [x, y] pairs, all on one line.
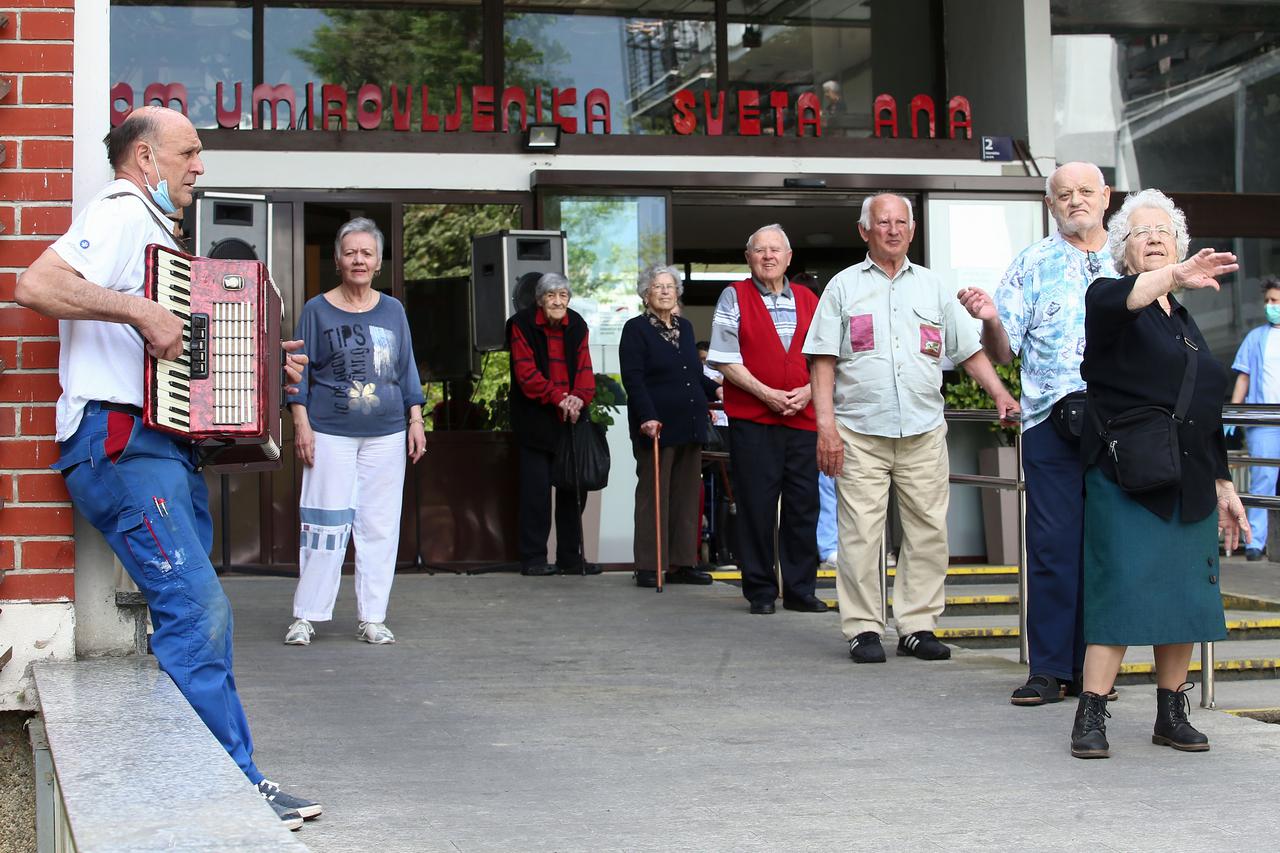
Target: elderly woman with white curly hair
{"points": [[551, 384], [667, 395], [1151, 524]]}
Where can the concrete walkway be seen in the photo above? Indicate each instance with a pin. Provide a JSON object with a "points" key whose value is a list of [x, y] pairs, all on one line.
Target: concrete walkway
{"points": [[572, 714]]}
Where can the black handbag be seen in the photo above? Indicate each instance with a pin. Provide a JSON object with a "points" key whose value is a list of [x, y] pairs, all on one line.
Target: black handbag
{"points": [[1143, 441], [582, 457], [1067, 416]]}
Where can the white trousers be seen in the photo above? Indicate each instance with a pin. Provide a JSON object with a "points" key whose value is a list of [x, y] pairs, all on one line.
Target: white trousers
{"points": [[354, 487]]}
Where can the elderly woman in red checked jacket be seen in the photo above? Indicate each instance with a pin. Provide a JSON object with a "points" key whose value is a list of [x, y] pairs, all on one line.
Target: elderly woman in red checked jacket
{"points": [[551, 385]]}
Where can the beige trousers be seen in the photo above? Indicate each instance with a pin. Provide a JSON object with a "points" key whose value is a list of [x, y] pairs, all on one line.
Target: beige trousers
{"points": [[918, 466]]}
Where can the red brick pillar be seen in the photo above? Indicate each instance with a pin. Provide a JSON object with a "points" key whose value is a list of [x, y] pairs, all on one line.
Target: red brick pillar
{"points": [[37, 553]]}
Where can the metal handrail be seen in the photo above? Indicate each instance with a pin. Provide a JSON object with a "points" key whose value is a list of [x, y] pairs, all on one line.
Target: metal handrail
{"points": [[1235, 415], [1018, 483]]}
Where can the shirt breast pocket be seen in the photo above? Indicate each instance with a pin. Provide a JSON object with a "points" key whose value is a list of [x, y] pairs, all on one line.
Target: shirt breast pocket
{"points": [[862, 333], [930, 324]]}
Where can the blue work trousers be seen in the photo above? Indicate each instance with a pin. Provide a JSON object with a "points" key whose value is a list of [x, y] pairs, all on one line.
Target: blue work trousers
{"points": [[141, 489], [1055, 549], [1263, 441]]}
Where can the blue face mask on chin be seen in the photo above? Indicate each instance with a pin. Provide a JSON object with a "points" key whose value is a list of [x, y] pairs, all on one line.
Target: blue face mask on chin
{"points": [[1273, 314], [160, 192]]}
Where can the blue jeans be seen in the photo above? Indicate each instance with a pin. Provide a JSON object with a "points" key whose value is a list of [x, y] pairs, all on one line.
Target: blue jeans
{"points": [[1263, 441], [140, 488], [828, 537]]}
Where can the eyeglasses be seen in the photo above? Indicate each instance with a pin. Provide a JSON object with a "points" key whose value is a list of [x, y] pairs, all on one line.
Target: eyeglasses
{"points": [[1093, 263], [1144, 232], [662, 288]]}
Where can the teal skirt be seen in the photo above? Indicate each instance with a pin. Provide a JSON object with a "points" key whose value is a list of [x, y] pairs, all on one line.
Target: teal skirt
{"points": [[1147, 581]]}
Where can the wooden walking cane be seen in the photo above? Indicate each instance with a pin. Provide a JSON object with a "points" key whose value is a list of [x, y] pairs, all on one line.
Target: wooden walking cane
{"points": [[657, 507]]}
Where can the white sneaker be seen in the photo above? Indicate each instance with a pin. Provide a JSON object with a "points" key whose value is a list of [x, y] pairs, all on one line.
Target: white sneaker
{"points": [[376, 633], [299, 633]]}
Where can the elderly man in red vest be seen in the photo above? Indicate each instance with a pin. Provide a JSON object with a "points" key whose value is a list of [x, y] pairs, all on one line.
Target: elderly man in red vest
{"points": [[757, 333]]}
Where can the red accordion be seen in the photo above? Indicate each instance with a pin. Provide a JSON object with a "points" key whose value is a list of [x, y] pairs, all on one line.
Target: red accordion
{"points": [[223, 392]]}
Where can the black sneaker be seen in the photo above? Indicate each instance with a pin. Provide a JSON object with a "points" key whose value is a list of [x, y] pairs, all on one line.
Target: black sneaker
{"points": [[271, 792], [866, 648], [647, 578], [289, 817], [579, 569], [923, 645], [1252, 555], [538, 570]]}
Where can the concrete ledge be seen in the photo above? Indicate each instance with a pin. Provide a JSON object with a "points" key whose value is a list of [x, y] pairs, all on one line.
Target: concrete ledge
{"points": [[139, 771]]}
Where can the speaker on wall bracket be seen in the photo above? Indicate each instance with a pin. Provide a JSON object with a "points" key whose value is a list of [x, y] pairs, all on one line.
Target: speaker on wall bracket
{"points": [[232, 226], [505, 268]]}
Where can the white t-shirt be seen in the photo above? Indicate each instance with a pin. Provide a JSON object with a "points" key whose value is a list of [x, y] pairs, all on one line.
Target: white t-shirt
{"points": [[1271, 367], [106, 244]]}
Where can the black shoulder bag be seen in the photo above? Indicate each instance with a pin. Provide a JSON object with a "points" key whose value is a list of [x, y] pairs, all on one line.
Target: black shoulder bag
{"points": [[1143, 441]]}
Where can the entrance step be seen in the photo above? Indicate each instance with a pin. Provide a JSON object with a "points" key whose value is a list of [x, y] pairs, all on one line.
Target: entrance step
{"points": [[979, 574], [968, 600], [1234, 660], [986, 631]]}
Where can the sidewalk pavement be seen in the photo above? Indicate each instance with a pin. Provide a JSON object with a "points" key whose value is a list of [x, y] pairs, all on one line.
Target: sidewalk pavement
{"points": [[584, 714]]}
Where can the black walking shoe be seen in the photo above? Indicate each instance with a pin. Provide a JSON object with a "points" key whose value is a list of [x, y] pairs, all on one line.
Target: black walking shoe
{"points": [[866, 648], [1172, 727], [923, 645], [812, 604], [687, 574], [763, 608], [1089, 732], [647, 578], [538, 570], [578, 569]]}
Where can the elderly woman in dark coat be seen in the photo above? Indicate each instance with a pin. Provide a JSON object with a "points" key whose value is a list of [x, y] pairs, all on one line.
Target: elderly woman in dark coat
{"points": [[551, 385], [667, 396], [1151, 557]]}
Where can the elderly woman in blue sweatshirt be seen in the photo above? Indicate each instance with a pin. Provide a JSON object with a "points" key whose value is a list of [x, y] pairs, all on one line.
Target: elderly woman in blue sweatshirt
{"points": [[667, 396], [355, 420]]}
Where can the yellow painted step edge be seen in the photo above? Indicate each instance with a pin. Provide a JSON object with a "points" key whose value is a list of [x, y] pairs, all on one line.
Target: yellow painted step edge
{"points": [[959, 600], [952, 571], [1236, 665]]}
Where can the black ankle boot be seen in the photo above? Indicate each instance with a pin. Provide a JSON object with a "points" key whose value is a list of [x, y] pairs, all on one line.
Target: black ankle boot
{"points": [[1172, 728], [1089, 734]]}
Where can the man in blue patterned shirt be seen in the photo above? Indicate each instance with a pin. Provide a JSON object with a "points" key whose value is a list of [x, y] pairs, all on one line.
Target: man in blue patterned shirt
{"points": [[1038, 314]]}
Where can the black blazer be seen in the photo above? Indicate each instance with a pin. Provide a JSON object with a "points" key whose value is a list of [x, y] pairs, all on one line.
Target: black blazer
{"points": [[1138, 359], [664, 384]]}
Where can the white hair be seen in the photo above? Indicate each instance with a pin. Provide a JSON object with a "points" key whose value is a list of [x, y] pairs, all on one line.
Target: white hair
{"points": [[865, 219], [1048, 182], [359, 225], [550, 282], [1118, 227], [774, 227], [650, 274]]}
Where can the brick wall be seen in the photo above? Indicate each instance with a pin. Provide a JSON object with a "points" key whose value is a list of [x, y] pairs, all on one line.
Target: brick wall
{"points": [[37, 554]]}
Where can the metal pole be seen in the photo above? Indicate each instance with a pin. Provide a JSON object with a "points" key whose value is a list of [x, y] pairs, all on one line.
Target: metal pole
{"points": [[884, 573], [1207, 699], [1024, 654]]}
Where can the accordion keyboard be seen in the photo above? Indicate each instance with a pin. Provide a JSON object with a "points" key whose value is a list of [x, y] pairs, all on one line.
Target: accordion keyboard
{"points": [[172, 399]]}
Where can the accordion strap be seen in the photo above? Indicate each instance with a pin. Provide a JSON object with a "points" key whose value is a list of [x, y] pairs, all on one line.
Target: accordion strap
{"points": [[167, 229]]}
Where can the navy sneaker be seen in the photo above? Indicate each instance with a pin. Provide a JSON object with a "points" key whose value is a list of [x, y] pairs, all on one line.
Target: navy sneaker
{"points": [[271, 792], [289, 817]]}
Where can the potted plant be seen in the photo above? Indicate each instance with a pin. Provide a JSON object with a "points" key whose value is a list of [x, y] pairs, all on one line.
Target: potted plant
{"points": [[999, 506]]}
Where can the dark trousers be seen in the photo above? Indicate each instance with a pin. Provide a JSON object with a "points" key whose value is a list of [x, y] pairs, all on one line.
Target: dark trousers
{"points": [[771, 462], [535, 513], [1055, 545]]}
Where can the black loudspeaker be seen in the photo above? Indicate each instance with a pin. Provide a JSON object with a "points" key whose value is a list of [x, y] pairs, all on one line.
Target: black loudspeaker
{"points": [[232, 226], [505, 265], [437, 310]]}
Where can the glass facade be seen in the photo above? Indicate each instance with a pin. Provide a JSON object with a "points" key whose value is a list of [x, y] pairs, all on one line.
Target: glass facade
{"points": [[820, 47], [640, 61], [194, 45]]}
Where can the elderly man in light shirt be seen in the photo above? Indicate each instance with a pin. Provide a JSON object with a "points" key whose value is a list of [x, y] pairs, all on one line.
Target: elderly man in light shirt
{"points": [[876, 346], [1038, 313]]}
